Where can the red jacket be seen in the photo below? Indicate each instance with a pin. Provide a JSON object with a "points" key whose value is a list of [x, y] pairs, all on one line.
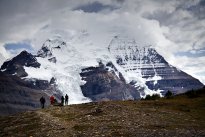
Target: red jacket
{"points": [[52, 99]]}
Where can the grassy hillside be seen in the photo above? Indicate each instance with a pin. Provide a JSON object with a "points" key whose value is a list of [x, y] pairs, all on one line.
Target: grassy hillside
{"points": [[178, 116]]}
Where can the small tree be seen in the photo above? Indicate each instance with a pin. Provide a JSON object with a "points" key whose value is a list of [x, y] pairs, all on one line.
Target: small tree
{"points": [[148, 97], [169, 94], [153, 97]]}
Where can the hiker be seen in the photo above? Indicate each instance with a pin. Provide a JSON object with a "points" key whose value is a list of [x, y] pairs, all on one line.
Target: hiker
{"points": [[42, 100], [62, 100], [52, 99], [55, 101], [66, 99]]}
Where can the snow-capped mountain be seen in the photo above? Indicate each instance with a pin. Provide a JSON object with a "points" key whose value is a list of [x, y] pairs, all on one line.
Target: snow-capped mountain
{"points": [[59, 68], [124, 71], [146, 63], [67, 63]]}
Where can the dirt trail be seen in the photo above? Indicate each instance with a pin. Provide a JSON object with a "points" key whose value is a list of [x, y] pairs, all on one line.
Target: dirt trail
{"points": [[55, 126], [48, 119]]}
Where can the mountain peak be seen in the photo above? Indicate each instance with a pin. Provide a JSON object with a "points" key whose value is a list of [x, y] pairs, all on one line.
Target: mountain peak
{"points": [[147, 63], [127, 51], [50, 45], [15, 65]]}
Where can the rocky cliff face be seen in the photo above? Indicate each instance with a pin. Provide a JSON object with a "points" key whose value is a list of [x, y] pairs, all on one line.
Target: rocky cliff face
{"points": [[102, 84], [151, 66]]}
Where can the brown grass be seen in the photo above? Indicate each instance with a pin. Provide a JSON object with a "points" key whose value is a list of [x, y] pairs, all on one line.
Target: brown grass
{"points": [[179, 116]]}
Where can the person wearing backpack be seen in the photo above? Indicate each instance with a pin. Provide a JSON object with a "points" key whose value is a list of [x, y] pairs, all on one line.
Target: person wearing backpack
{"points": [[66, 99], [42, 101]]}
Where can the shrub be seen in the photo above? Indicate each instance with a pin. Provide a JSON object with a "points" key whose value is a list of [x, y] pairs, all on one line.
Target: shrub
{"points": [[148, 97], [192, 93], [153, 97], [169, 94]]}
